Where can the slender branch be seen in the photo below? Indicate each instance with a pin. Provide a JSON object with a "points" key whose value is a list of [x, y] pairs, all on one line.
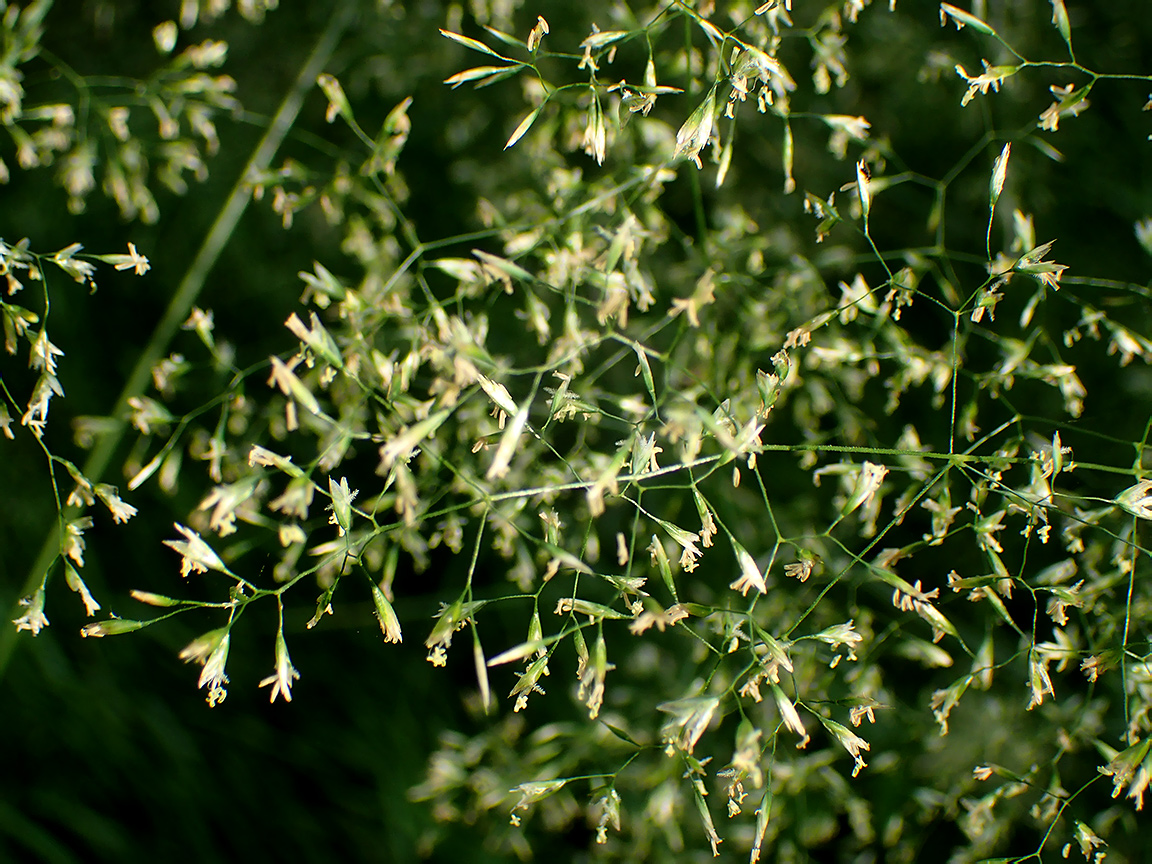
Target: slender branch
{"points": [[189, 290]]}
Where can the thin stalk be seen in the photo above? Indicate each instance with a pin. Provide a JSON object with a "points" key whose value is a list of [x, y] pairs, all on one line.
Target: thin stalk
{"points": [[187, 293]]}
